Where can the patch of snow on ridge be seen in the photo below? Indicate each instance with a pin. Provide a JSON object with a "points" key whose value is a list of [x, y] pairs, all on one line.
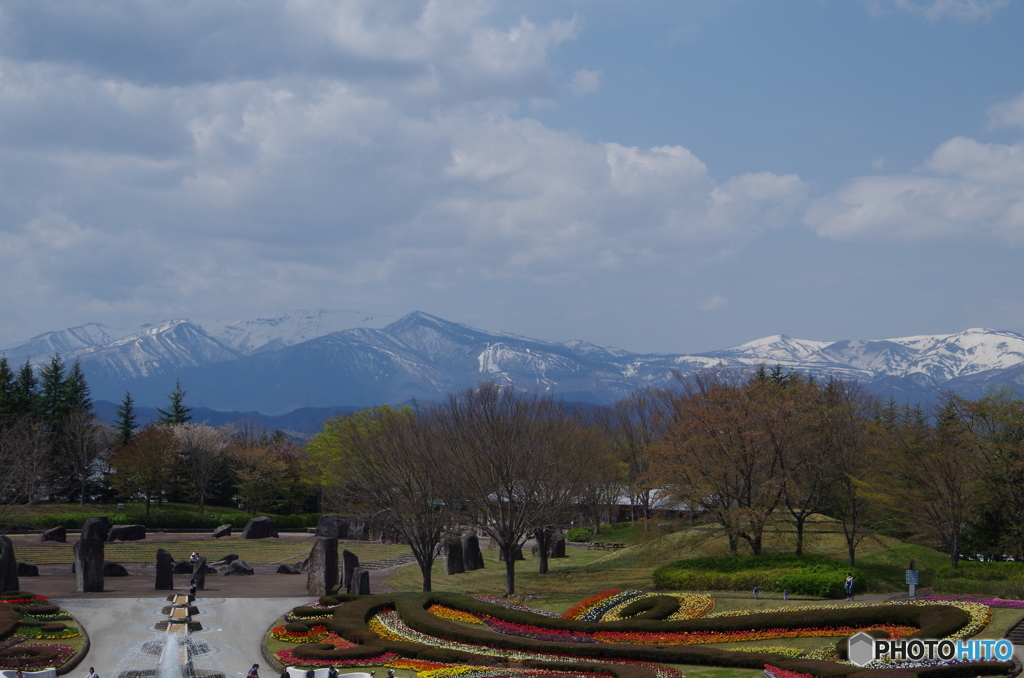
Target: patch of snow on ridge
{"points": [[262, 333]]}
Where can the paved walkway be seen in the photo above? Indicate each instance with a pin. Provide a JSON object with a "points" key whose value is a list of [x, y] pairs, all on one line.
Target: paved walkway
{"points": [[233, 627]]}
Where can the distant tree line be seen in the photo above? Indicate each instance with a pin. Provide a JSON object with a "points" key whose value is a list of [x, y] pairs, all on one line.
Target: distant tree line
{"points": [[53, 448]]}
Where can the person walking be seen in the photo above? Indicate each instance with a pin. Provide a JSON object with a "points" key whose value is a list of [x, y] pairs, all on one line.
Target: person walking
{"points": [[92, 673], [849, 586], [757, 591], [254, 672], [332, 672]]}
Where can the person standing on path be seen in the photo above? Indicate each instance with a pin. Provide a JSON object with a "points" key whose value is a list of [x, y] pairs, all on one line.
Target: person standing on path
{"points": [[92, 673], [254, 672], [849, 586]]}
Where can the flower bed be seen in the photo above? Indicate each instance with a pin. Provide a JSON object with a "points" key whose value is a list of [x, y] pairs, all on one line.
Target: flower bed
{"points": [[407, 627], [26, 618]]}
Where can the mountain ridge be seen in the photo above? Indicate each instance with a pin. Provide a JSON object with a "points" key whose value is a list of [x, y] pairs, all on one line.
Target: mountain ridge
{"points": [[329, 358]]}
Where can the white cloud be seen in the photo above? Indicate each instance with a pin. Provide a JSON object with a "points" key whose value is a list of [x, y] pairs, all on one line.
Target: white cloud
{"points": [[585, 81], [715, 303], [1007, 113], [934, 10], [386, 150], [964, 188]]}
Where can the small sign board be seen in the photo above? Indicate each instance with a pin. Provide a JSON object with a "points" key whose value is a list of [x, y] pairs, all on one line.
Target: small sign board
{"points": [[913, 577]]}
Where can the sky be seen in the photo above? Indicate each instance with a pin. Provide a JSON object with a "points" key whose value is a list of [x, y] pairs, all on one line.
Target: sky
{"points": [[658, 175]]}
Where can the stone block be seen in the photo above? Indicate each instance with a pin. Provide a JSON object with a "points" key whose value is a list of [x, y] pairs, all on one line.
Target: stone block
{"points": [[472, 558], [222, 531], [8, 566], [332, 526], [322, 567], [238, 568], [97, 527], [26, 570], [59, 533], [361, 581], [89, 564], [127, 533], [349, 562], [164, 571], [259, 528], [285, 568], [114, 570], [452, 554]]}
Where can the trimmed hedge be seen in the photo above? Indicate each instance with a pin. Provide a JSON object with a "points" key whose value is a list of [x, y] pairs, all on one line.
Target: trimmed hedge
{"points": [[1003, 579], [349, 621], [804, 575], [656, 607]]}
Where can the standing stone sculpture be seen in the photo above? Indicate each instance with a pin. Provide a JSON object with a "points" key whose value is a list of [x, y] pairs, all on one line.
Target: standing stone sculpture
{"points": [[472, 558], [557, 548], [199, 573], [453, 555], [259, 528], [322, 573], [97, 527], [89, 564], [349, 562], [360, 582], [59, 533], [164, 571], [8, 566]]}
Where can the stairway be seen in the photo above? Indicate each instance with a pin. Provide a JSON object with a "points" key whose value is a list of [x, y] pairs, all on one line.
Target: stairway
{"points": [[390, 563], [1016, 633]]}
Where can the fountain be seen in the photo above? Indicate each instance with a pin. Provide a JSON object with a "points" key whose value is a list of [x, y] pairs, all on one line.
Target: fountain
{"points": [[173, 651]]}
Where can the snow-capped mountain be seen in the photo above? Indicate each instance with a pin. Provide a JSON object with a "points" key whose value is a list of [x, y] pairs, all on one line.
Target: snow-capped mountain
{"points": [[321, 358]]}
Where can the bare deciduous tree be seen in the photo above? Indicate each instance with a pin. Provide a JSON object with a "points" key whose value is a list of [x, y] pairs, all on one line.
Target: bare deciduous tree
{"points": [[518, 458], [202, 454], [83, 443], [23, 454]]}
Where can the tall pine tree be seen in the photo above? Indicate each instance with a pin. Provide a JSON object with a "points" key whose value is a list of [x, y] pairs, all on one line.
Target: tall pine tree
{"points": [[25, 395], [53, 404], [77, 396], [7, 381], [126, 421], [177, 413]]}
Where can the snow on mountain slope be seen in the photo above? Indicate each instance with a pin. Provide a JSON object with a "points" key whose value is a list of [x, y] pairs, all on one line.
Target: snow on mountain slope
{"points": [[945, 357], [65, 342], [777, 348], [269, 333], [160, 348]]}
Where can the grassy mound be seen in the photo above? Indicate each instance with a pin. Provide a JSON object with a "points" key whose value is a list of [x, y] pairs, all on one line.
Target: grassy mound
{"points": [[1005, 580]]}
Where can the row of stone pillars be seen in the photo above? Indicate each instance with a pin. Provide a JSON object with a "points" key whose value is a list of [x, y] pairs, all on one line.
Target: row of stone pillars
{"points": [[323, 573]]}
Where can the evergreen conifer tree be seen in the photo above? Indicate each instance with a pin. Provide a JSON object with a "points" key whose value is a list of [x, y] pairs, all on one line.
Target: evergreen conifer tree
{"points": [[25, 394], [77, 396], [52, 396], [126, 421], [177, 413], [7, 382]]}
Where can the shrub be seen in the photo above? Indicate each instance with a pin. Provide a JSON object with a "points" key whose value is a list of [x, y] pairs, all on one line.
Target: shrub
{"points": [[579, 534], [805, 575]]}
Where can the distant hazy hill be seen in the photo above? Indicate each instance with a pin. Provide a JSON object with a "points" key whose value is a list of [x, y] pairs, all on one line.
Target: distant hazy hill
{"points": [[330, 359]]}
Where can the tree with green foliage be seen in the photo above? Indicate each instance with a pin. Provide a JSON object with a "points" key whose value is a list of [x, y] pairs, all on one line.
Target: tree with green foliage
{"points": [[126, 421], [146, 466], [25, 395], [177, 413], [77, 395], [53, 405], [7, 384]]}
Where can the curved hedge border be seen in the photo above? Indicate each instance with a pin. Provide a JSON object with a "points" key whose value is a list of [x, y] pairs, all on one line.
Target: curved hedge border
{"points": [[350, 622], [12, 606]]}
